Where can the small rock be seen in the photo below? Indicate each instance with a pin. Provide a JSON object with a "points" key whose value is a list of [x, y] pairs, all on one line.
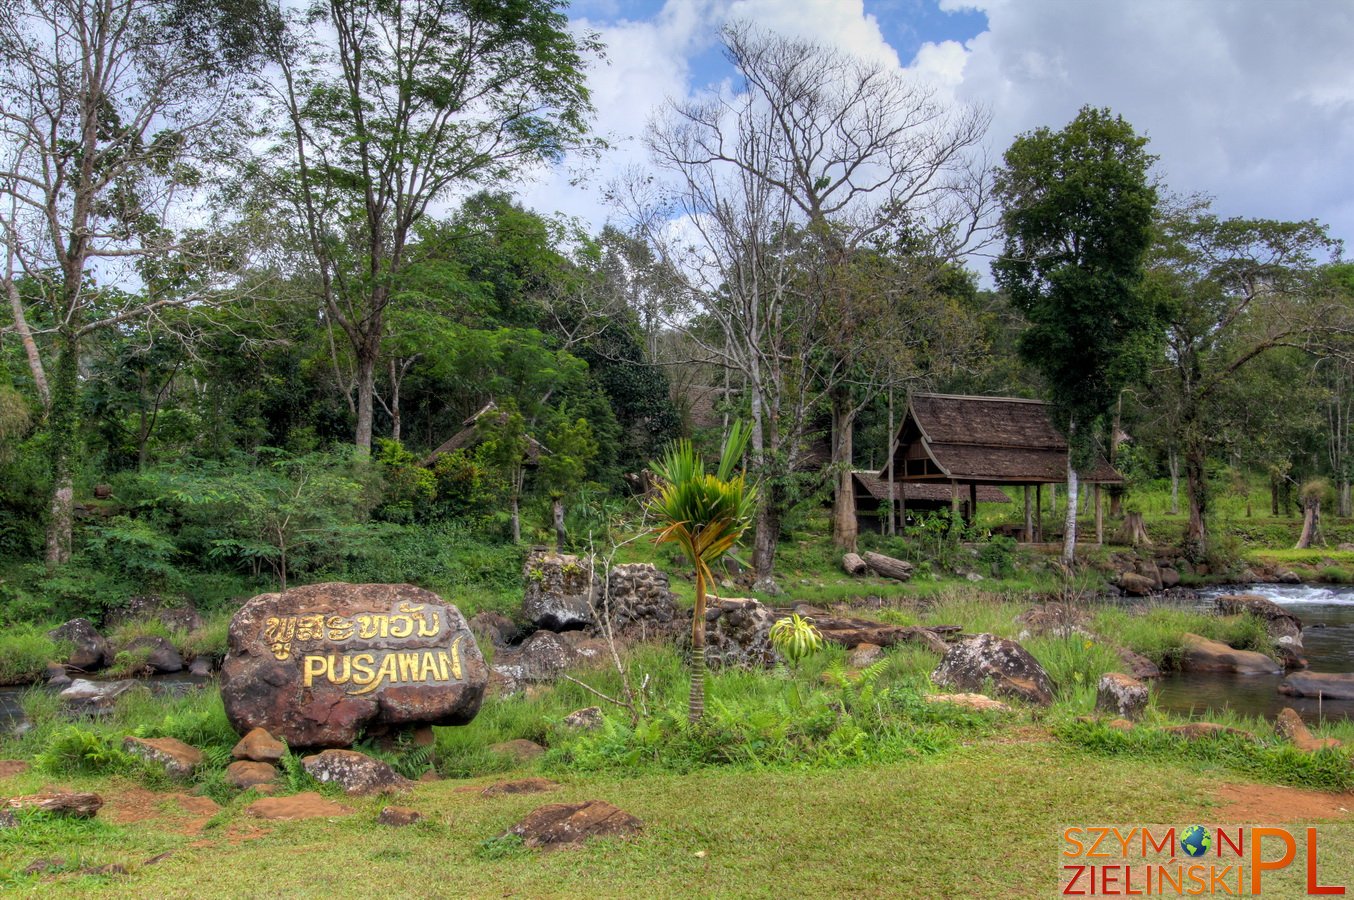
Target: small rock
{"points": [[307, 805], [259, 746], [1139, 666], [44, 865], [1289, 578], [201, 667], [1120, 724], [1121, 695], [767, 585], [399, 816], [95, 696], [76, 804], [56, 675], [521, 750], [198, 806], [357, 773], [1289, 725], [157, 859], [494, 627], [1135, 584], [864, 655], [570, 824], [974, 577], [430, 775], [177, 758], [520, 786], [585, 719], [7, 819], [245, 774], [975, 702], [1170, 578]]}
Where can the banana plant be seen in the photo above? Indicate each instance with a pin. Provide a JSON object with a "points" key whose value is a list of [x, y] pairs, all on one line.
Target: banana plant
{"points": [[704, 514]]}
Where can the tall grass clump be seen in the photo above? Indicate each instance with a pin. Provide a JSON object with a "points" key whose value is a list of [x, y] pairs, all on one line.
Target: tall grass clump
{"points": [[25, 651]]}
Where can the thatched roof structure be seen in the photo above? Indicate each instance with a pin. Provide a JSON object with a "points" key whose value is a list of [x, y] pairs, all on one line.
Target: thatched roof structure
{"points": [[469, 436], [993, 440], [914, 492]]}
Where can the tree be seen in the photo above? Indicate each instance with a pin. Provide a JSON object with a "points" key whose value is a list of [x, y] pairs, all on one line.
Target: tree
{"points": [[814, 161], [1077, 212], [113, 117], [704, 514], [1236, 290], [412, 100], [569, 447]]}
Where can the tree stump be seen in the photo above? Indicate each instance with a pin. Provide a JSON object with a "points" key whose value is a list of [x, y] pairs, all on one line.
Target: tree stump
{"points": [[888, 567], [1133, 532], [854, 565]]}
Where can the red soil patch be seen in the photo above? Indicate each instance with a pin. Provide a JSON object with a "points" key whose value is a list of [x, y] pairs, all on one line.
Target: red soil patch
{"points": [[11, 767], [179, 813], [1265, 804]]}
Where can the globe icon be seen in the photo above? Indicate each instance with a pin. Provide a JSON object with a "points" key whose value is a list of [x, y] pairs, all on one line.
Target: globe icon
{"points": [[1196, 841]]}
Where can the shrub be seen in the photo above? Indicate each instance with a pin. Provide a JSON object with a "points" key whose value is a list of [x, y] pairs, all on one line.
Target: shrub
{"points": [[78, 751], [25, 651]]}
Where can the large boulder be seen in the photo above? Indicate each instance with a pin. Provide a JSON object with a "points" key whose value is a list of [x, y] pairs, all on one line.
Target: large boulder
{"points": [[1137, 585], [542, 657], [318, 665], [357, 773], [89, 649], [738, 632], [160, 655], [640, 602], [561, 590], [1326, 685], [1204, 655], [972, 663]]}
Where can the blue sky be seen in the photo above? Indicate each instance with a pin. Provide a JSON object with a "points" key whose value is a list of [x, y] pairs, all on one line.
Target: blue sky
{"points": [[1250, 102]]}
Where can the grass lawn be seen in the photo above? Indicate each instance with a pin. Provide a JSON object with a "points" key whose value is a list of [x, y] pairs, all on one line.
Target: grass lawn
{"points": [[981, 821]]}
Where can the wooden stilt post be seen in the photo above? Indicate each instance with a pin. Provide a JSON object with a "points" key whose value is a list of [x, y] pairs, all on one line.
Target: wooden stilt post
{"points": [[1029, 518], [1099, 516], [1039, 513], [972, 502]]}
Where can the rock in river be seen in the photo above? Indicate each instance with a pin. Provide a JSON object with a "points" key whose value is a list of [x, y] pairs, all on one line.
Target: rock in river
{"points": [[1328, 685], [320, 664]]}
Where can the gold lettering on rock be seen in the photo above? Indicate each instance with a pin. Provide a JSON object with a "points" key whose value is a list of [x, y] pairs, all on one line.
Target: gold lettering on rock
{"points": [[400, 667]]}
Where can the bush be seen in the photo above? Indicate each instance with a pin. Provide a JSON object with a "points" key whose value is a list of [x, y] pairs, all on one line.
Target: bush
{"points": [[25, 651], [78, 751]]}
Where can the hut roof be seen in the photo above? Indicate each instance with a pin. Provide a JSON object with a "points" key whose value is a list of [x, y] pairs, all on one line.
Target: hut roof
{"points": [[999, 440], [921, 492], [469, 436]]}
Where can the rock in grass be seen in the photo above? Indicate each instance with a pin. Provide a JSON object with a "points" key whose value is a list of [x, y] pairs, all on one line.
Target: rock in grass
{"points": [[244, 774], [76, 804], [94, 697], [1121, 695], [161, 657], [259, 746], [542, 657], [399, 816], [975, 702], [1195, 731], [1289, 725], [357, 773], [585, 719], [972, 663], [89, 649], [1204, 655], [864, 655], [1139, 666], [307, 805], [178, 759], [570, 824], [520, 786], [561, 590]]}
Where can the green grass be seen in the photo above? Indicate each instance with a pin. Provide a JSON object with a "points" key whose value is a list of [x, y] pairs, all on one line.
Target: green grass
{"points": [[1155, 631], [25, 651]]}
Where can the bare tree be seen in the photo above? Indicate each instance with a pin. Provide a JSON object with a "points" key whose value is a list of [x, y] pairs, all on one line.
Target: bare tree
{"points": [[785, 192], [113, 117]]}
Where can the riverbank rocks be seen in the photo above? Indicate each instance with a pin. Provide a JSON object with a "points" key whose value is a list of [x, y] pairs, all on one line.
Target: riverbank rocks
{"points": [[570, 824], [318, 665], [640, 602], [1121, 695], [561, 590], [160, 655], [1137, 585], [1289, 725], [1284, 627], [89, 649], [178, 759], [1327, 685], [357, 773], [1204, 655], [738, 632], [971, 663], [94, 697]]}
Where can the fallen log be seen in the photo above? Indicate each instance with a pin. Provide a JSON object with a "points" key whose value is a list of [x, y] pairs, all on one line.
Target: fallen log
{"points": [[854, 565], [79, 805], [888, 567], [851, 632]]}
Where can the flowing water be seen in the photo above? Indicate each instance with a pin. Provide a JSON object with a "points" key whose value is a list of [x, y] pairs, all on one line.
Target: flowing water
{"points": [[1327, 616]]}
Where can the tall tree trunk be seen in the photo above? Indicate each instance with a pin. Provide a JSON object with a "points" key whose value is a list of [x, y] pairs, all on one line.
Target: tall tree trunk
{"points": [[844, 529], [893, 487], [765, 536], [1196, 487], [63, 426], [366, 392], [1311, 523], [1346, 501], [696, 702], [30, 346], [1070, 520], [395, 379], [1173, 460], [557, 508]]}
